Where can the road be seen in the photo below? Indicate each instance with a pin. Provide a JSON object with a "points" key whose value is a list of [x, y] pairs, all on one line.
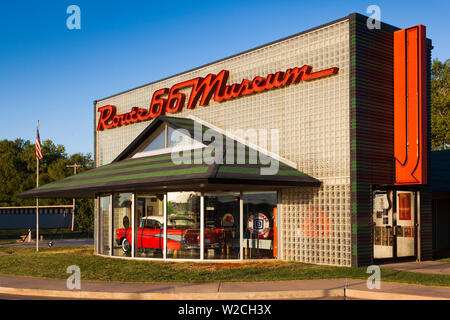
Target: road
{"points": [[56, 243]]}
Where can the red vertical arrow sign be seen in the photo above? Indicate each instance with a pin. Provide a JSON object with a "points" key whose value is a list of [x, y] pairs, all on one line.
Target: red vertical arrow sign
{"points": [[410, 114]]}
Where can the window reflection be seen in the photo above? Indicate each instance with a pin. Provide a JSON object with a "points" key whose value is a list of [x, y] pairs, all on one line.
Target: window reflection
{"points": [[158, 141], [105, 235], [149, 225], [222, 226], [122, 204], [183, 225], [259, 231]]}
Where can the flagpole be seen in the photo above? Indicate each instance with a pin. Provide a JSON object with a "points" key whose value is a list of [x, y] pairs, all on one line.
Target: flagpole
{"points": [[37, 201]]}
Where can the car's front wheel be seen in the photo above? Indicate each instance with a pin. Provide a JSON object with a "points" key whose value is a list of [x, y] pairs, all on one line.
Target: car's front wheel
{"points": [[126, 245]]}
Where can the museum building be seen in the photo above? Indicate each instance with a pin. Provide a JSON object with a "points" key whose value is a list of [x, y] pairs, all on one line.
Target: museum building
{"points": [[313, 148]]}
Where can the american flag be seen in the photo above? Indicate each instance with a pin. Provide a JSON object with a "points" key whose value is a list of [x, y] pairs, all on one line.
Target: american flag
{"points": [[38, 145]]}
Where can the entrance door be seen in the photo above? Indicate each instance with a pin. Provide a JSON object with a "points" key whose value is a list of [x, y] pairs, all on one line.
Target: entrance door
{"points": [[405, 226], [383, 225], [394, 224]]}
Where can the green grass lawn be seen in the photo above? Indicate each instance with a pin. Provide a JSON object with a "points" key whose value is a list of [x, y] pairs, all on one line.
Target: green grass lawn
{"points": [[53, 262]]}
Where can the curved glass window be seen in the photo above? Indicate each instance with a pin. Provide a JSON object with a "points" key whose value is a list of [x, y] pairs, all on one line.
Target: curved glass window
{"points": [[259, 231], [228, 225], [221, 236], [149, 225], [105, 224], [183, 225], [122, 205]]}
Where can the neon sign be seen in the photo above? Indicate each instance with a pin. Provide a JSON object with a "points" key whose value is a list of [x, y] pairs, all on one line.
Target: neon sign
{"points": [[202, 90]]}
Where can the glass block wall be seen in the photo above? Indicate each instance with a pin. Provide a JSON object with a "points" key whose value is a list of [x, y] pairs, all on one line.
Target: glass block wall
{"points": [[312, 119]]}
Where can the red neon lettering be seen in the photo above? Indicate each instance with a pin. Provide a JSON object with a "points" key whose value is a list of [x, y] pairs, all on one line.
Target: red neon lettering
{"points": [[258, 84], [246, 88], [319, 74], [107, 113], [231, 92], [203, 89], [158, 104], [176, 99], [295, 75]]}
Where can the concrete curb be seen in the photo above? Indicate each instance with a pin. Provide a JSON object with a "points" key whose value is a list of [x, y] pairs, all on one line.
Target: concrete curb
{"points": [[272, 295], [288, 294], [377, 295]]}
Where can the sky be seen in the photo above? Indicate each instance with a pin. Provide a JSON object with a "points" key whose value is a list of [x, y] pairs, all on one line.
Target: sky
{"points": [[51, 73]]}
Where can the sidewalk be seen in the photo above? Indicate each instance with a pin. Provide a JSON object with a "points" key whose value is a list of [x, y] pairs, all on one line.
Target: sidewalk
{"points": [[433, 267], [299, 289]]}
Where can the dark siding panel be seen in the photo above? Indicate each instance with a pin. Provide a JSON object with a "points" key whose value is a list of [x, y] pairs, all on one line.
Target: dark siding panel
{"points": [[426, 207], [426, 225], [372, 125], [372, 133]]}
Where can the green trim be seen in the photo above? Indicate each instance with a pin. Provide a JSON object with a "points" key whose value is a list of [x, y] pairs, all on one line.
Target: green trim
{"points": [[354, 228], [146, 160], [137, 168], [354, 186], [353, 123], [189, 121], [355, 250], [353, 165], [353, 103], [122, 170], [246, 170], [353, 146], [354, 207], [195, 170]]}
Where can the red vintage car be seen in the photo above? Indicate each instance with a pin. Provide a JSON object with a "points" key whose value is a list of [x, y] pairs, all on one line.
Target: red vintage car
{"points": [[182, 234]]}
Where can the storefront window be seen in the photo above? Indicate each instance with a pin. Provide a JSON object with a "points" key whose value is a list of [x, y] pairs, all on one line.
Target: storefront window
{"points": [[222, 226], [122, 204], [259, 211], [149, 225], [183, 225], [105, 225], [222, 229]]}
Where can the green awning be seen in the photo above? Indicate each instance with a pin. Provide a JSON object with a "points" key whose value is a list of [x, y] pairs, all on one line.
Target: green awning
{"points": [[194, 169]]}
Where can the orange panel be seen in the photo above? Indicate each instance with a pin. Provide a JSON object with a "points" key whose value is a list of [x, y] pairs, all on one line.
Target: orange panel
{"points": [[410, 135], [400, 141]]}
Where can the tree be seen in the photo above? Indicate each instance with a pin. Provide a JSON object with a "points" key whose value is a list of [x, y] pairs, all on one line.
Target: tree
{"points": [[440, 105], [14, 170], [18, 174], [85, 215]]}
